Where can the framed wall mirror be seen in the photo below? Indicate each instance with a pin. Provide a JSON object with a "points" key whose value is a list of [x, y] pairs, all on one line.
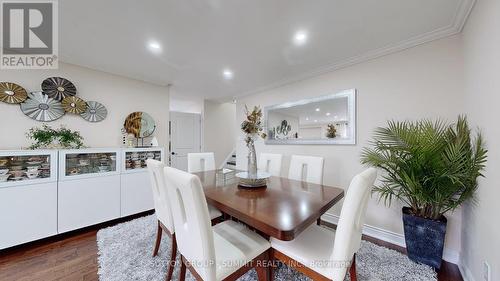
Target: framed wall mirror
{"points": [[329, 119]]}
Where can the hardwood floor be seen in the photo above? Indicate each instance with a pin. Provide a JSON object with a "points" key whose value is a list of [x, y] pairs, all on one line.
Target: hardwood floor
{"points": [[73, 257]]}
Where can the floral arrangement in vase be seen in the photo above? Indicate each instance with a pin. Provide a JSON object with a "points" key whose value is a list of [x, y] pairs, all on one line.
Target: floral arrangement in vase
{"points": [[47, 137], [252, 127]]}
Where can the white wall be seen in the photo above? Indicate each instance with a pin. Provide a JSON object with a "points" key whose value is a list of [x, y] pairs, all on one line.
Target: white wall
{"points": [[182, 102], [423, 82], [481, 227], [219, 129], [120, 95]]}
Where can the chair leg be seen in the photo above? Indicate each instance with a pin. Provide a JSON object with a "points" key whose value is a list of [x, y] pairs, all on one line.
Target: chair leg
{"points": [[158, 240], [272, 264], [173, 255], [352, 270], [182, 274], [262, 267]]}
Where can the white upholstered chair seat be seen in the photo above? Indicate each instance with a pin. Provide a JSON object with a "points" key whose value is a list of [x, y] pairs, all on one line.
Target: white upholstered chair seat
{"points": [[163, 215], [270, 163], [162, 210], [210, 252], [213, 212], [330, 253], [312, 248], [235, 245], [200, 162], [306, 168]]}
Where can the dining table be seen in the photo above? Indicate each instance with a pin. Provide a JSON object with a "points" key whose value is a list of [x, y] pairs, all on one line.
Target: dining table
{"points": [[282, 209]]}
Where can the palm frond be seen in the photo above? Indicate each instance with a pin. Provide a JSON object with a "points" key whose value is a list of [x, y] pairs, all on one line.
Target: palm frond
{"points": [[432, 166]]}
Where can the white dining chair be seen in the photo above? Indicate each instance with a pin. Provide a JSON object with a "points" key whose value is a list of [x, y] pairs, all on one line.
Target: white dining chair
{"points": [[221, 252], [270, 163], [306, 168], [162, 211], [335, 249], [200, 162]]}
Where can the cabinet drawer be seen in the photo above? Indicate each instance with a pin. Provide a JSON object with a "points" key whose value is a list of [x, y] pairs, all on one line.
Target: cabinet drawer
{"points": [[88, 201], [136, 193], [27, 213]]}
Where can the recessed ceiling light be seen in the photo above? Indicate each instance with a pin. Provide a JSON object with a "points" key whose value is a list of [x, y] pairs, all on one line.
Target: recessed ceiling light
{"points": [[307, 118], [154, 47], [315, 120], [300, 37], [328, 114], [317, 109], [228, 74]]}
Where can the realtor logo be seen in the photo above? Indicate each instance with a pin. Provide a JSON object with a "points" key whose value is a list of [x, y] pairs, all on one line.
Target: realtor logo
{"points": [[29, 35]]}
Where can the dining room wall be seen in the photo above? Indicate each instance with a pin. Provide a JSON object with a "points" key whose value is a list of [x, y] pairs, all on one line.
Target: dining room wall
{"points": [[120, 95], [219, 129], [421, 82], [480, 228]]}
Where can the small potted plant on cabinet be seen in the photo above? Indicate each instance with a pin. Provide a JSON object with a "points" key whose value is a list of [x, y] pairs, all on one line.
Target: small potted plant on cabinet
{"points": [[432, 168]]}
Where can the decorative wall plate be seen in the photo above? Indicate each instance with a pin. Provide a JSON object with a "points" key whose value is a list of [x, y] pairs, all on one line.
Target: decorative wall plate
{"points": [[140, 124], [40, 107], [96, 112], [74, 105], [58, 88], [12, 93]]}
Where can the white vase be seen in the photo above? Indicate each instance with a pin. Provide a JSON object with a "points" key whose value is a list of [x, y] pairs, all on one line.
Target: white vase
{"points": [[252, 159]]}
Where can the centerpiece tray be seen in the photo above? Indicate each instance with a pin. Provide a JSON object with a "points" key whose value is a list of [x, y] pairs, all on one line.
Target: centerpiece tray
{"points": [[247, 180]]}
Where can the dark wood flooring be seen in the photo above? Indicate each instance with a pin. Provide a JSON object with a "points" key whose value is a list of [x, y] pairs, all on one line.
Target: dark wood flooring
{"points": [[73, 257]]}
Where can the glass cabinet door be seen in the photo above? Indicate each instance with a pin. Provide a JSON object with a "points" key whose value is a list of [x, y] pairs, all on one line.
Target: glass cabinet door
{"points": [[137, 159], [90, 163], [24, 167]]}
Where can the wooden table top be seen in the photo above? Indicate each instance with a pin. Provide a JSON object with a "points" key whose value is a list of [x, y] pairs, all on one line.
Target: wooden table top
{"points": [[281, 210]]}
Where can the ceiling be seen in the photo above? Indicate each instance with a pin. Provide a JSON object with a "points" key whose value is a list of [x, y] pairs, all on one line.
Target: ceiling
{"points": [[201, 38]]}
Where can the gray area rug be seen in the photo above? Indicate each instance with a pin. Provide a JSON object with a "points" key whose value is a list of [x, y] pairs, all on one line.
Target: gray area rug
{"points": [[125, 253]]}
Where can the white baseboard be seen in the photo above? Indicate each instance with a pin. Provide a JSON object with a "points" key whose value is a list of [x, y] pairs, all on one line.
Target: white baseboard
{"points": [[392, 237], [466, 273]]}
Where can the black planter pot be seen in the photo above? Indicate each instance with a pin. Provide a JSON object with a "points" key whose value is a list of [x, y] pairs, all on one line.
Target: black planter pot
{"points": [[424, 238]]}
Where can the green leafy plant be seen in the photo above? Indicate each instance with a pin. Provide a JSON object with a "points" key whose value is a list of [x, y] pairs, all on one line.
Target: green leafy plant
{"points": [[47, 137], [430, 166]]}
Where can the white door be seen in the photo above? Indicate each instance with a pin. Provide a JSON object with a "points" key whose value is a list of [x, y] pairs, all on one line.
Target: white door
{"points": [[185, 137]]}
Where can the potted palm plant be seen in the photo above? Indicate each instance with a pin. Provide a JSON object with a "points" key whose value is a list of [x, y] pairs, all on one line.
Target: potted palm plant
{"points": [[431, 167]]}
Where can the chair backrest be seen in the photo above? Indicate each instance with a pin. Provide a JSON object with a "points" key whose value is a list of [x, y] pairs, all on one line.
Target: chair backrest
{"points": [[192, 221], [306, 168], [160, 193], [270, 163], [350, 226], [200, 162]]}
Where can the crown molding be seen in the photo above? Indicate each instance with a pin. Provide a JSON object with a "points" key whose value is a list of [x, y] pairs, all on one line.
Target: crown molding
{"points": [[461, 15]]}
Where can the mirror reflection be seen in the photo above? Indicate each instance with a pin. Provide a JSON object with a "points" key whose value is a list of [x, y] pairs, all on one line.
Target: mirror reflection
{"points": [[323, 120], [140, 124]]}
